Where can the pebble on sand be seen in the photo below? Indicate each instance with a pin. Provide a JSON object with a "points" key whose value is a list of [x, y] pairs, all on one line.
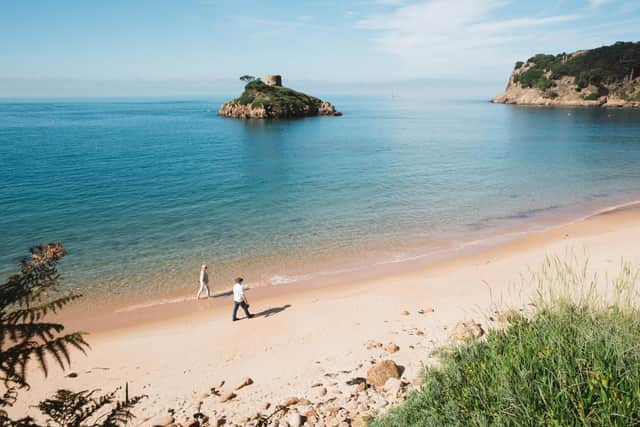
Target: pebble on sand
{"points": [[392, 348], [245, 382]]}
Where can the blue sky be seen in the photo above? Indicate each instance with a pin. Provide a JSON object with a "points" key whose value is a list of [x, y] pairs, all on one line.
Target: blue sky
{"points": [[337, 41]]}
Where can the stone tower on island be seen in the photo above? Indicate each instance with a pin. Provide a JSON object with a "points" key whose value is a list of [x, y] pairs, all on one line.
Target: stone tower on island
{"points": [[272, 80]]}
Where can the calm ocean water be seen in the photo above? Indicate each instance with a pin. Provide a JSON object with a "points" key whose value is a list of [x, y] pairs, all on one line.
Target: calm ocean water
{"points": [[143, 192]]}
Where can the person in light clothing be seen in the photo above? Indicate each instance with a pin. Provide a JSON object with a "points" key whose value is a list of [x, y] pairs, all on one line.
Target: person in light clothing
{"points": [[239, 300], [204, 282]]}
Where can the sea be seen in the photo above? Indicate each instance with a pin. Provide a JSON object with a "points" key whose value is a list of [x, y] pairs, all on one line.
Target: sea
{"points": [[143, 191]]}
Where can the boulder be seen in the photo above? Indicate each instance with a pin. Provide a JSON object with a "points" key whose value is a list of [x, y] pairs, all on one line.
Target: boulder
{"points": [[393, 386], [294, 419], [379, 373], [466, 330]]}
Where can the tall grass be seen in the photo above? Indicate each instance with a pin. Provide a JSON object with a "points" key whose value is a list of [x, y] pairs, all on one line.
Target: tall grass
{"points": [[573, 361]]}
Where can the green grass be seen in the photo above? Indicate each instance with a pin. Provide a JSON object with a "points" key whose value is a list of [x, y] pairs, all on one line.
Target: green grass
{"points": [[573, 361]]}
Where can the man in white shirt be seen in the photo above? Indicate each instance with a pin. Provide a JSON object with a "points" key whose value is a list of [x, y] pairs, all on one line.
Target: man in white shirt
{"points": [[239, 300], [204, 282]]}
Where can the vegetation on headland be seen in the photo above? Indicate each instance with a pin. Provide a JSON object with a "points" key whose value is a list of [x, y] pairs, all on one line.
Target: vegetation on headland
{"points": [[573, 361], [260, 100], [608, 71], [27, 338], [618, 63], [278, 98]]}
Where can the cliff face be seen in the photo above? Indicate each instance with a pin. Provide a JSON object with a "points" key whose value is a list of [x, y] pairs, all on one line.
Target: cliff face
{"points": [[261, 101], [603, 77]]}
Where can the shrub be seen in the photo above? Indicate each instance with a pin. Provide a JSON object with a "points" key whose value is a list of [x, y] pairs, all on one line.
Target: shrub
{"points": [[603, 65], [574, 361], [519, 64], [543, 83], [603, 91], [530, 77], [280, 100]]}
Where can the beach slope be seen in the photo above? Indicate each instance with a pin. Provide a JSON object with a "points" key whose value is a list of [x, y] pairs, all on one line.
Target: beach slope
{"points": [[313, 344]]}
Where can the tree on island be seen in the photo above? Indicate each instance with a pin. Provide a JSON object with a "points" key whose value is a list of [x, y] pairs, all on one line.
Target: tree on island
{"points": [[247, 78], [26, 337]]}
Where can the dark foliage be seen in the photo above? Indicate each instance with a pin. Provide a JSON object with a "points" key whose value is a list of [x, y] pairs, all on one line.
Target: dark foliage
{"points": [[617, 63], [25, 337], [278, 99], [80, 409]]}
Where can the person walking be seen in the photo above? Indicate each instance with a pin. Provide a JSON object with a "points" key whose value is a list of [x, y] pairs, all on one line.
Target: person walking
{"points": [[204, 282], [239, 300]]}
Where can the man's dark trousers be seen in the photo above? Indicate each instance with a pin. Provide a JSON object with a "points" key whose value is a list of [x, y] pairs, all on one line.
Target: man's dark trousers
{"points": [[244, 306]]}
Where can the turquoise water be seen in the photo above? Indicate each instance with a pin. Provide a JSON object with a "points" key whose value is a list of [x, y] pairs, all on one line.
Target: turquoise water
{"points": [[142, 192]]}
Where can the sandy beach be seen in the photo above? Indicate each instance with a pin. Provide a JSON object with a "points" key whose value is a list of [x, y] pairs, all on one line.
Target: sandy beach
{"points": [[305, 336]]}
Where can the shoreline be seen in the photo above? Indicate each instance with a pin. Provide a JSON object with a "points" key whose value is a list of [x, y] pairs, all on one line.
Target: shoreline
{"points": [[303, 336], [176, 305]]}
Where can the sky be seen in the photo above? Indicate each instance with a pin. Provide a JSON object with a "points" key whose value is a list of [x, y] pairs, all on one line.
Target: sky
{"points": [[151, 46]]}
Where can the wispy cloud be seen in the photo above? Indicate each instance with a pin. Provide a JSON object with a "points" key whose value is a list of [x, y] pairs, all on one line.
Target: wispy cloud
{"points": [[597, 3], [446, 36]]}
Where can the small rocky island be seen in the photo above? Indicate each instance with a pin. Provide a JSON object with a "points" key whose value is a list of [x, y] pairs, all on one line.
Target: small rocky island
{"points": [[268, 99], [608, 76]]}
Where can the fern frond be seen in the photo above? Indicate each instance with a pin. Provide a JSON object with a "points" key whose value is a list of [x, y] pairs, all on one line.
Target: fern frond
{"points": [[15, 359], [27, 331], [122, 413], [34, 314]]}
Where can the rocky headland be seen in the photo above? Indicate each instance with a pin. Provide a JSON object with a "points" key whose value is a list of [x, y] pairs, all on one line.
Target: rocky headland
{"points": [[608, 76], [268, 99]]}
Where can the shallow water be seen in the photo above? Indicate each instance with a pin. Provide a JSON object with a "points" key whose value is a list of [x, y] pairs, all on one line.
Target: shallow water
{"points": [[143, 191]]}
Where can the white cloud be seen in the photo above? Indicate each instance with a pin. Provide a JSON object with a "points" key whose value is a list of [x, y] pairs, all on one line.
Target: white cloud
{"points": [[389, 2], [446, 38], [597, 3]]}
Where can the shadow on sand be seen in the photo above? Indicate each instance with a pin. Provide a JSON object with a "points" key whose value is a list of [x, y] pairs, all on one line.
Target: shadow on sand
{"points": [[272, 311], [222, 294]]}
